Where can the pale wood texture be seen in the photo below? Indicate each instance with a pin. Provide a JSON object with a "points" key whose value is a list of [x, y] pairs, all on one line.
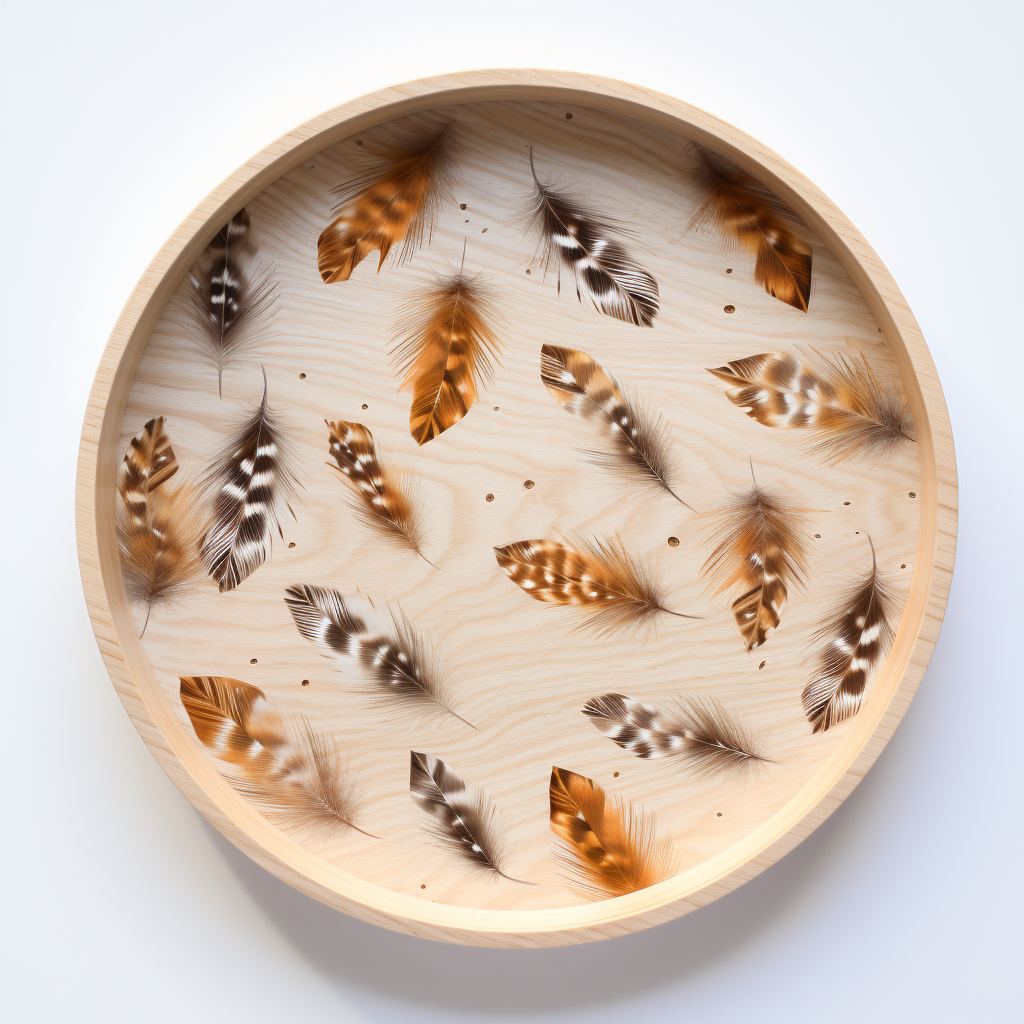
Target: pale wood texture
{"points": [[515, 670]]}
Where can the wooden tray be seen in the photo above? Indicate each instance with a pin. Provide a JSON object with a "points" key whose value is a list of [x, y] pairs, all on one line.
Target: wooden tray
{"points": [[518, 467]]}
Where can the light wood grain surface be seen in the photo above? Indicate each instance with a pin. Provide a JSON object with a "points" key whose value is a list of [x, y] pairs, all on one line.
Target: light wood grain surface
{"points": [[516, 669]]}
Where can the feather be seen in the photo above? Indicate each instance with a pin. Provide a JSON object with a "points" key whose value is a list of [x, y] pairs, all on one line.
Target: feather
{"points": [[231, 295], [640, 438], [850, 412], [444, 343], [582, 245], [463, 819], [391, 653], [763, 549], [395, 204], [254, 478], [389, 497], [746, 212], [857, 636], [616, 589], [611, 847], [159, 531], [698, 733], [294, 771]]}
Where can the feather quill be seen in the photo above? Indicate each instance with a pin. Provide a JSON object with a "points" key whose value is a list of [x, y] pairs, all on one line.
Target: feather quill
{"points": [[743, 210], [444, 346], [389, 496], [294, 771], [159, 531], [762, 549], [640, 439], [698, 733], [231, 296], [849, 411], [601, 268], [396, 204], [617, 590], [610, 847], [462, 819], [856, 637], [390, 651], [254, 479]]}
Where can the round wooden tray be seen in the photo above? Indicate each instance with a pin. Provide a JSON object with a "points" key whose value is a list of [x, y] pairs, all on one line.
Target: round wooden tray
{"points": [[634, 169]]}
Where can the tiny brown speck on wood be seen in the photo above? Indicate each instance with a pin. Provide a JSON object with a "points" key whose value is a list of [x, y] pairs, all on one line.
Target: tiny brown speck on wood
{"points": [[719, 813], [762, 665], [305, 682], [568, 117], [673, 542], [490, 497], [615, 775], [462, 206], [365, 406], [903, 566], [291, 543], [252, 661], [423, 886], [912, 494], [730, 308], [528, 484], [302, 376]]}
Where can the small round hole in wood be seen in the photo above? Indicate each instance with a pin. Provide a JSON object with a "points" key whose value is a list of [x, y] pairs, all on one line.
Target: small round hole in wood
{"points": [[489, 497], [462, 206], [529, 484], [730, 308], [568, 117], [252, 661], [673, 542], [365, 406], [302, 376], [913, 494]]}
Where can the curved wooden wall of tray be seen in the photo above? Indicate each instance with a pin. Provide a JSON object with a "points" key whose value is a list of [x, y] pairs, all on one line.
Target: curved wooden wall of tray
{"points": [[195, 775]]}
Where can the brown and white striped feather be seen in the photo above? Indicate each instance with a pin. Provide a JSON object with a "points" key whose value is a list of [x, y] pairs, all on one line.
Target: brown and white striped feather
{"points": [[849, 410], [762, 551], [856, 639], [698, 733], [389, 497], [640, 441]]}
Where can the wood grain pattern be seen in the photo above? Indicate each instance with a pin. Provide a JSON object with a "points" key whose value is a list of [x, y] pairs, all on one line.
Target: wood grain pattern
{"points": [[510, 665]]}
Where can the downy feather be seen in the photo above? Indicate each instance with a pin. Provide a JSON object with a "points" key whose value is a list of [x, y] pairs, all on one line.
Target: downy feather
{"points": [[640, 438], [396, 204], [849, 411], [698, 733], [583, 245], [610, 847], [856, 638], [253, 478], [617, 590], [443, 347], [389, 650], [462, 819], [747, 213]]}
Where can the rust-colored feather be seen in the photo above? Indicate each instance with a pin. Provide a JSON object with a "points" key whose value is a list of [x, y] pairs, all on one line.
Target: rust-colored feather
{"points": [[611, 847], [389, 495], [617, 590], [159, 532], [290, 768], [849, 410], [741, 208], [444, 345], [398, 204], [762, 550], [856, 637]]}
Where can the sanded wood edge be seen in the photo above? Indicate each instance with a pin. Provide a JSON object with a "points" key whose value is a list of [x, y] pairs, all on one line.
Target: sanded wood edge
{"points": [[180, 756]]}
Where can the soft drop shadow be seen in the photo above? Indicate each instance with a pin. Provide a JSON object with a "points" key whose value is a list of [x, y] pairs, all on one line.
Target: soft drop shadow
{"points": [[479, 981]]}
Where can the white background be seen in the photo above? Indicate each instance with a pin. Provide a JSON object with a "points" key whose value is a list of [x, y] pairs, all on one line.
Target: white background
{"points": [[121, 903]]}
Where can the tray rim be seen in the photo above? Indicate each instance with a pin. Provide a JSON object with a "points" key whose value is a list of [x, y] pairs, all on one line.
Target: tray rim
{"points": [[194, 774]]}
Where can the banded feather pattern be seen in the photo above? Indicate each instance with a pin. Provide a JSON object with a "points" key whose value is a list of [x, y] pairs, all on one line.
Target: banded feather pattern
{"points": [[698, 733], [231, 295], [254, 478], [610, 847], [856, 637], [763, 549], [159, 531], [391, 653], [462, 819], [444, 346], [396, 204], [639, 435], [289, 767], [389, 497], [617, 590], [600, 266], [849, 410], [749, 214]]}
